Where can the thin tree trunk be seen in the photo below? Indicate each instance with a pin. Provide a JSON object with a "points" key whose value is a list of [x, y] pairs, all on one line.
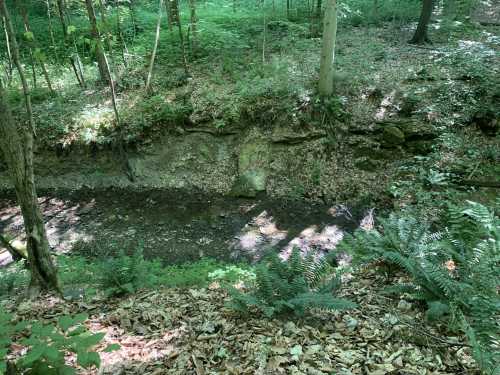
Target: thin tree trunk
{"points": [[155, 47], [9, 55], [18, 153], [132, 18], [194, 24], [17, 62], [74, 59], [168, 10], [328, 49], [27, 28], [264, 32], [104, 18], [123, 45], [51, 31], [99, 50], [174, 7], [421, 35]]}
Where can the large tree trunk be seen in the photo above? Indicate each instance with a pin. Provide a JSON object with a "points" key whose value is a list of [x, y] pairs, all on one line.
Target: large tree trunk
{"points": [[328, 49], [421, 36], [18, 153], [99, 50], [17, 148]]}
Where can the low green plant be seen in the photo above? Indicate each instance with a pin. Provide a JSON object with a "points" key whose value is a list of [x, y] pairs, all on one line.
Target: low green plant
{"points": [[48, 344], [12, 278], [291, 286], [201, 273], [454, 273], [232, 274], [124, 274]]}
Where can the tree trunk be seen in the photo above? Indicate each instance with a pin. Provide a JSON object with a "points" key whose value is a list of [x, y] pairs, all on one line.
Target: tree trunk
{"points": [[99, 50], [16, 255], [17, 62], [421, 36], [194, 24], [10, 67], [123, 44], [155, 47], [27, 28], [104, 18], [51, 30], [168, 9], [174, 8], [74, 59], [18, 154], [328, 49]]}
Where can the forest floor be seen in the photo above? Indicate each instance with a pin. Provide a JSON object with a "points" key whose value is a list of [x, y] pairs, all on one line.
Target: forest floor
{"points": [[190, 331], [176, 227]]}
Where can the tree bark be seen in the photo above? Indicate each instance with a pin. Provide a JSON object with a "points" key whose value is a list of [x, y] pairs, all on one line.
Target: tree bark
{"points": [[99, 50], [17, 147], [421, 36], [18, 153], [328, 49]]}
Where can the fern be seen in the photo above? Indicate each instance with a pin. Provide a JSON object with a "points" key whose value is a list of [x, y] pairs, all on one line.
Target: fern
{"points": [[293, 286], [455, 272]]}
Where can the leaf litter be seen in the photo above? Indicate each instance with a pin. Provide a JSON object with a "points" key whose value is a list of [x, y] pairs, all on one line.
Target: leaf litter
{"points": [[191, 331]]}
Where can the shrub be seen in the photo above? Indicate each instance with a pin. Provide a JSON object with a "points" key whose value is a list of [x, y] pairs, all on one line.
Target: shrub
{"points": [[455, 273], [292, 286], [48, 344]]}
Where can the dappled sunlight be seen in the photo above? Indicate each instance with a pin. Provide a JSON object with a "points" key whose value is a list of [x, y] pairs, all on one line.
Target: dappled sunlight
{"points": [[314, 239], [260, 231], [135, 349], [385, 105]]}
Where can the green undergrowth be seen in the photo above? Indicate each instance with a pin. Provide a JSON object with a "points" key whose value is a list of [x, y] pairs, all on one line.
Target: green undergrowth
{"points": [[123, 274]]}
